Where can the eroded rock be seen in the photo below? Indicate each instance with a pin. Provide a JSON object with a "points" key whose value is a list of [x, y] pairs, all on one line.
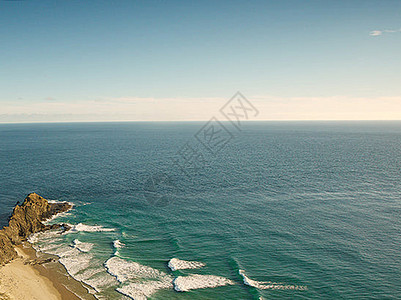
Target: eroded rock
{"points": [[26, 219]]}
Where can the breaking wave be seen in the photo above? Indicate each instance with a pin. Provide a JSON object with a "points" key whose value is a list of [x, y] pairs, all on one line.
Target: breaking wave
{"points": [[117, 245], [177, 264], [81, 246], [266, 285], [65, 213], [88, 228], [139, 281], [196, 281], [76, 258]]}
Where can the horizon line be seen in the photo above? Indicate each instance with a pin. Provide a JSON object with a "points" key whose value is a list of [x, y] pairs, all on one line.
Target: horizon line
{"points": [[206, 120]]}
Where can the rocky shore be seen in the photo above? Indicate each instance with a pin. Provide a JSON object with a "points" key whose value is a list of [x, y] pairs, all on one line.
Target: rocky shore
{"points": [[26, 219]]}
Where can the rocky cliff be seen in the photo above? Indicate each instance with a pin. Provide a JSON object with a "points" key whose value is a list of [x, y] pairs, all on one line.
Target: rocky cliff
{"points": [[26, 219]]}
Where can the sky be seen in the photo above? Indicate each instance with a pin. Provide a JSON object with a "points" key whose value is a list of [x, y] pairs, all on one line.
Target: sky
{"points": [[183, 60]]}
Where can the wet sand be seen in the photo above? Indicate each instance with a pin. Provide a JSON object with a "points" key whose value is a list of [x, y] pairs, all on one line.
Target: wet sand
{"points": [[27, 277]]}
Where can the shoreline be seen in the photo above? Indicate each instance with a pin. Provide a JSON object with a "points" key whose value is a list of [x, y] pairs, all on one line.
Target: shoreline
{"points": [[29, 274], [58, 275], [27, 277]]}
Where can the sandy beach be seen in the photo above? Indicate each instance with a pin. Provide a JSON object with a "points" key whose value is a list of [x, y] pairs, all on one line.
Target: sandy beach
{"points": [[20, 279]]}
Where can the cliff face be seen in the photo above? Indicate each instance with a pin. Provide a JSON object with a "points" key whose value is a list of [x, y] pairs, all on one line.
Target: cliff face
{"points": [[25, 220], [7, 252]]}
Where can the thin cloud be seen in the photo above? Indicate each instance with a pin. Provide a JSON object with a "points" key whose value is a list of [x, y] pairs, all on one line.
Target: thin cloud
{"points": [[381, 32], [376, 32], [196, 109]]}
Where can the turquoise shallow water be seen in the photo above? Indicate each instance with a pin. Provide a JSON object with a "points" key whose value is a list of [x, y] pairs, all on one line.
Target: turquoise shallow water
{"points": [[306, 210]]}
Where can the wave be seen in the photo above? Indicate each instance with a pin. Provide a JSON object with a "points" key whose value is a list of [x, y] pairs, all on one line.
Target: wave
{"points": [[62, 214], [88, 228], [143, 290], [65, 213], [33, 238], [97, 278], [56, 201], [139, 281], [76, 259], [117, 245], [128, 278], [196, 281], [125, 270], [82, 267], [48, 238], [266, 285], [81, 246], [177, 264]]}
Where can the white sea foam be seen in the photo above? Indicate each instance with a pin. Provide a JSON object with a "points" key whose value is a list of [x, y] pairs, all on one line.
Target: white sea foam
{"points": [[177, 264], [139, 281], [125, 270], [143, 290], [117, 245], [56, 201], [65, 213], [266, 285], [62, 214], [196, 281], [47, 248], [81, 246], [80, 266], [101, 281], [74, 265], [47, 238], [88, 228], [97, 278], [75, 257], [73, 260], [33, 238]]}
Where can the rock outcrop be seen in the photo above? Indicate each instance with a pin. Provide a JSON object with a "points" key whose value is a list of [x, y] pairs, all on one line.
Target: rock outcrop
{"points": [[7, 252], [25, 220]]}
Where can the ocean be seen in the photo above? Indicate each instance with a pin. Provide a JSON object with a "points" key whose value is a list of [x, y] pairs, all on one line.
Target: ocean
{"points": [[276, 210]]}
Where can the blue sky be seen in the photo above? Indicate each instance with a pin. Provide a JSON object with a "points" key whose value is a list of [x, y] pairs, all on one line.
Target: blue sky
{"points": [[178, 60]]}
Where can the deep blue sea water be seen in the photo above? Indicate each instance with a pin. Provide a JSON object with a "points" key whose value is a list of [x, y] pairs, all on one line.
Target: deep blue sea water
{"points": [[306, 210]]}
